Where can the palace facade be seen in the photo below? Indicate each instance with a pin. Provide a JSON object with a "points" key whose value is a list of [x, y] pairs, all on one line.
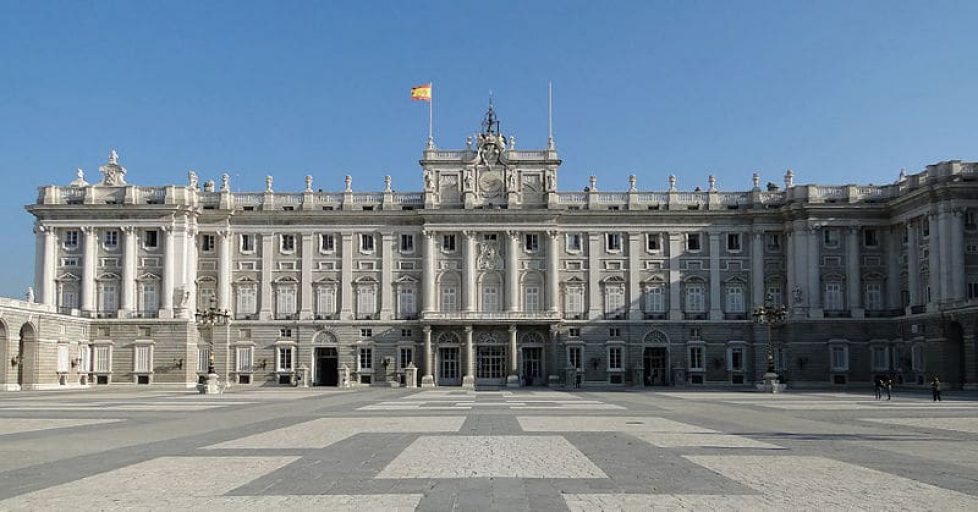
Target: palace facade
{"points": [[491, 276]]}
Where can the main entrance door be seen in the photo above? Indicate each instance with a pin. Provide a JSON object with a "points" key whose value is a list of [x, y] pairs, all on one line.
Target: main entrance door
{"points": [[448, 361], [327, 366], [656, 361], [533, 366], [490, 365]]}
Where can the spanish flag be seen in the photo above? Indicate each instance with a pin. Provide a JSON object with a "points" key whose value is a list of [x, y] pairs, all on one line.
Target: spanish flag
{"points": [[421, 92]]}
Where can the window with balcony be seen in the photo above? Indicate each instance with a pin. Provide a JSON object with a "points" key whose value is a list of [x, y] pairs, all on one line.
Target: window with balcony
{"points": [[449, 298], [406, 302], [325, 301], [285, 303], [108, 297], [574, 301], [874, 297], [614, 301], [531, 298], [367, 301], [654, 299], [695, 298], [833, 296], [735, 299], [246, 300], [148, 300]]}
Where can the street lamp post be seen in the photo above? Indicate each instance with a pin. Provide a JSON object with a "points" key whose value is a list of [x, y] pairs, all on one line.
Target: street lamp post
{"points": [[210, 317], [771, 315]]}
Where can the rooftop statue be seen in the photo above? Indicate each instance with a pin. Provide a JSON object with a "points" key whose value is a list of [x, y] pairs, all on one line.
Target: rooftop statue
{"points": [[113, 174]]}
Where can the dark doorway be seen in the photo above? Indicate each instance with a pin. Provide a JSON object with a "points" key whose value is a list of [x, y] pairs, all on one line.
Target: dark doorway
{"points": [[533, 366], [655, 361], [327, 367], [954, 367]]}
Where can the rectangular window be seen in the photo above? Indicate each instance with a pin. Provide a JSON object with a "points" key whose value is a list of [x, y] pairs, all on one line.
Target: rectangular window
{"points": [[874, 297], [735, 362], [733, 242], [735, 299], [285, 300], [69, 297], [203, 359], [366, 359], [773, 295], [71, 239], [840, 359], [696, 358], [694, 333], [614, 358], [149, 297], [284, 359], [614, 300], [693, 242], [695, 302], [614, 241], [407, 243], [407, 333], [247, 242], [531, 299], [406, 303], [366, 333], [490, 299], [405, 357], [881, 358], [574, 358], [366, 243], [243, 359], [327, 242], [366, 301], [574, 332], [871, 238], [151, 239], [448, 243], [917, 358], [285, 332], [142, 359], [973, 290], [108, 296], [925, 228], [85, 354], [614, 332], [449, 298], [531, 242], [773, 242], [111, 239], [574, 300], [247, 300], [833, 296], [653, 242], [325, 300], [103, 359], [207, 243], [830, 237], [63, 359], [970, 220], [287, 243], [655, 299], [574, 242]]}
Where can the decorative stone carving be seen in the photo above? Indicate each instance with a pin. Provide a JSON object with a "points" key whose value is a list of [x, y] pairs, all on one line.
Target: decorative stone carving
{"points": [[225, 182], [79, 180], [429, 181], [756, 178], [789, 179], [348, 180], [551, 180], [672, 183], [30, 295], [593, 184], [468, 181], [713, 183], [308, 183], [796, 295], [387, 183], [632, 180], [488, 258], [268, 183], [192, 180], [209, 186], [113, 174]]}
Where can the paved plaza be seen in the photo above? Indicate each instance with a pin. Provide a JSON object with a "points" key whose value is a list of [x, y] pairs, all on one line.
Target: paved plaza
{"points": [[451, 449]]}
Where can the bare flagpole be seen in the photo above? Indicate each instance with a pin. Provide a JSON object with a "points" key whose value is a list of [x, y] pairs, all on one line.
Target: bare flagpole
{"points": [[550, 115], [431, 100]]}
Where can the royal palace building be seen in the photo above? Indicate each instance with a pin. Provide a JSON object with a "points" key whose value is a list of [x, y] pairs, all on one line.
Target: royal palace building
{"points": [[490, 276]]}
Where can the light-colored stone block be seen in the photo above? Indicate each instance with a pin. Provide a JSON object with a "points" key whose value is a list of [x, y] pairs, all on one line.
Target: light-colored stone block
{"points": [[326, 431]]}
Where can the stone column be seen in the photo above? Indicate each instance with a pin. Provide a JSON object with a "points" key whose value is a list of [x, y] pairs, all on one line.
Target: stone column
{"points": [[553, 271], [386, 276], [129, 250], [716, 311], [468, 380], [934, 263], [814, 277], [49, 266], [305, 277], [757, 295], [468, 268], [913, 267], [512, 268], [267, 251], [675, 277], [428, 379], [346, 277], [593, 276], [225, 246], [513, 379], [88, 271], [947, 285], [428, 274], [956, 226], [634, 273], [789, 258], [894, 246], [853, 281], [169, 273]]}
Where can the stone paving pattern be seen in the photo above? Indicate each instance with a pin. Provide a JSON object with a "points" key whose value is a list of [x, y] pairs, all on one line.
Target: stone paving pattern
{"points": [[449, 449]]}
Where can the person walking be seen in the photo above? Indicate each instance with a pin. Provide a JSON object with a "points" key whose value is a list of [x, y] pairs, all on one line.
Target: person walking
{"points": [[878, 387], [935, 388], [888, 383]]}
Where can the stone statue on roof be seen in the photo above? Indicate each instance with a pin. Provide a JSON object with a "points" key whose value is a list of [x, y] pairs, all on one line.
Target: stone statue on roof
{"points": [[113, 174]]}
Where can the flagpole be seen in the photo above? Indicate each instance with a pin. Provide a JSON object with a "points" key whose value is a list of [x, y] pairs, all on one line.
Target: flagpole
{"points": [[431, 132]]}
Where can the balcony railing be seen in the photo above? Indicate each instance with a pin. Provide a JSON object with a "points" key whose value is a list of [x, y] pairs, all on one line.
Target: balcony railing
{"points": [[499, 315]]}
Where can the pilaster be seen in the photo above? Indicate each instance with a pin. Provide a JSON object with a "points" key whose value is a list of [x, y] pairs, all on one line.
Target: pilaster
{"points": [[913, 267], [169, 273], [305, 294], [512, 271], [593, 275], [346, 277], [757, 295], [428, 274], [934, 263], [716, 312], [468, 268], [675, 277], [814, 276], [853, 280], [386, 275], [468, 380], [129, 250], [553, 271], [267, 252], [634, 289]]}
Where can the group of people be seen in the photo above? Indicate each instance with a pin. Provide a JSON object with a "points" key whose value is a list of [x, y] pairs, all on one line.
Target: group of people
{"points": [[883, 384]]}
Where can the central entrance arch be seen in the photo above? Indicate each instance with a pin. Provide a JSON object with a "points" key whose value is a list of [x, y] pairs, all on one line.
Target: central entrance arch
{"points": [[325, 360]]}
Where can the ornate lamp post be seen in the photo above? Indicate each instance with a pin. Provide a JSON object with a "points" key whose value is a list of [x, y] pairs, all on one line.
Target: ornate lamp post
{"points": [[210, 317], [771, 315]]}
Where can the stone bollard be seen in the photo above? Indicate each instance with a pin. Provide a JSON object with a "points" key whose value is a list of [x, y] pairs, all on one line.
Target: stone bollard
{"points": [[411, 376]]}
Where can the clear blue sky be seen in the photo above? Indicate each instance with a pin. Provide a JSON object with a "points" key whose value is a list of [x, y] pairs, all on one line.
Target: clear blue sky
{"points": [[839, 91]]}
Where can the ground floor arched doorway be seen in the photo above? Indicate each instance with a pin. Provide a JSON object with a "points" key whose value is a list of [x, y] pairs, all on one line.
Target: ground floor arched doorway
{"points": [[325, 366], [655, 364]]}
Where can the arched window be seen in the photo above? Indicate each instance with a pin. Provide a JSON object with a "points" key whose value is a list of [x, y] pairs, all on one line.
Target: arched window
{"points": [[490, 292], [449, 288], [532, 292]]}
